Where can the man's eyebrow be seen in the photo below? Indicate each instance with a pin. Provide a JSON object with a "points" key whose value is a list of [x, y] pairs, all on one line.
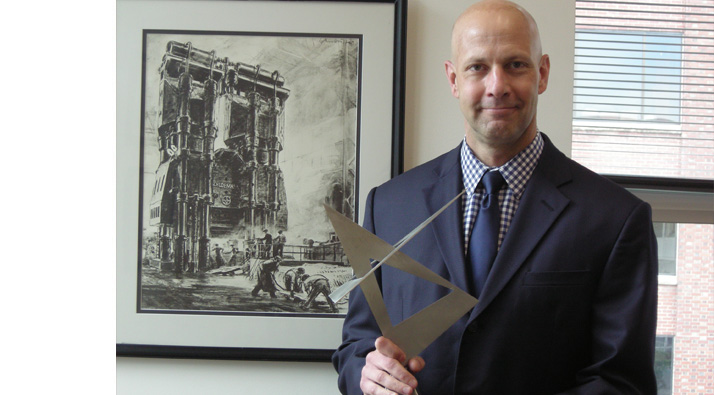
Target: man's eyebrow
{"points": [[521, 57], [470, 61]]}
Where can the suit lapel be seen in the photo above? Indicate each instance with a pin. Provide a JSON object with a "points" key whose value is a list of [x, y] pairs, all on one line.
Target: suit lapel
{"points": [[540, 206], [447, 227]]}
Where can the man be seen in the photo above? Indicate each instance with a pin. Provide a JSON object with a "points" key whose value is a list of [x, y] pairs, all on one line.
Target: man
{"points": [[267, 244], [279, 243], [316, 285], [264, 273], [569, 301], [293, 280], [219, 256], [234, 256]]}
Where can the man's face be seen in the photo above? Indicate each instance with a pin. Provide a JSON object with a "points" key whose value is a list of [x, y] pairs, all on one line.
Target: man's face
{"points": [[497, 74]]}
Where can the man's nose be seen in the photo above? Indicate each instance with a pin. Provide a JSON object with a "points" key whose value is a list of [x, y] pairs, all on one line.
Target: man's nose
{"points": [[497, 83]]}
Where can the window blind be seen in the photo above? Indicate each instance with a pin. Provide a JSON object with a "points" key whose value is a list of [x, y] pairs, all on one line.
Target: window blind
{"points": [[643, 101]]}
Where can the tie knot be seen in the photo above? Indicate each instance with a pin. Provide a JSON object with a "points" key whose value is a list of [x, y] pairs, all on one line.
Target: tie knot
{"points": [[492, 181]]}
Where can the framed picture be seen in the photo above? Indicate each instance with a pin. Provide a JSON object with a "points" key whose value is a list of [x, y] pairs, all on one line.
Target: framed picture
{"points": [[237, 121]]}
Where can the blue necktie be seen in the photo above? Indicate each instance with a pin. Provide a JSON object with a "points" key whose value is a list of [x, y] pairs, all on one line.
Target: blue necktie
{"points": [[483, 244]]}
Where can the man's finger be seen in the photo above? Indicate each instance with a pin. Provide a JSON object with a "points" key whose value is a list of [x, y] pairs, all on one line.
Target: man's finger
{"points": [[377, 381], [416, 364], [390, 359], [387, 348]]}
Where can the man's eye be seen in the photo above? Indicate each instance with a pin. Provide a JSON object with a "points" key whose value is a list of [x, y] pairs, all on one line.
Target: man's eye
{"points": [[476, 67], [518, 65]]}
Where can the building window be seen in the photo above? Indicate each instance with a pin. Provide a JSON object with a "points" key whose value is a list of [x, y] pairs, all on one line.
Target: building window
{"points": [[664, 351], [666, 233], [627, 79], [643, 115], [643, 97]]}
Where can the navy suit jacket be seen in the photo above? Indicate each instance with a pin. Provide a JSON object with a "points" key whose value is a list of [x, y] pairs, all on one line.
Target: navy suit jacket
{"points": [[569, 306]]}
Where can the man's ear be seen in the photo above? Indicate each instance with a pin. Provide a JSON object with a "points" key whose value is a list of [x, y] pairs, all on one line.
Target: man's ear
{"points": [[451, 76], [544, 71]]}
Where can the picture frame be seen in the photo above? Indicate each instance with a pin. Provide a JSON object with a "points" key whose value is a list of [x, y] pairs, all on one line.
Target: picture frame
{"points": [[381, 27]]}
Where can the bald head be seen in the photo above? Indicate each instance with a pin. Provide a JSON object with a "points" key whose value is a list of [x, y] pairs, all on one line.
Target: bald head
{"points": [[494, 15]]}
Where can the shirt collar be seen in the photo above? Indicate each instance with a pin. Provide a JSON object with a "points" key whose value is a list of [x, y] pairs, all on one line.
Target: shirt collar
{"points": [[516, 171]]}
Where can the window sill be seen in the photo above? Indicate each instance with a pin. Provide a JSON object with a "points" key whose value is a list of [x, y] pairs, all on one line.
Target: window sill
{"points": [[665, 279]]}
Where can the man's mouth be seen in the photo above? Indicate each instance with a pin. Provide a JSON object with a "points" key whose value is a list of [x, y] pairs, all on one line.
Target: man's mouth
{"points": [[501, 110]]}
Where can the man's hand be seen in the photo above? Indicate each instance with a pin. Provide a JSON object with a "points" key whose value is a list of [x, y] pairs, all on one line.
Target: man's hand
{"points": [[384, 371]]}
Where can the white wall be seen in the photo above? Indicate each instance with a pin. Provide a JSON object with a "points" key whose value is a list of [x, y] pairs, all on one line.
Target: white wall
{"points": [[433, 126], [153, 376]]}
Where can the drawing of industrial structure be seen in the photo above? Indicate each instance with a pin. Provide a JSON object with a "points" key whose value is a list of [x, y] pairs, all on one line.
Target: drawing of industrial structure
{"points": [[202, 192]]}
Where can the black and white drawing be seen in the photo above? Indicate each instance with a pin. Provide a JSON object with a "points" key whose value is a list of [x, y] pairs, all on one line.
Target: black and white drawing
{"points": [[245, 136]]}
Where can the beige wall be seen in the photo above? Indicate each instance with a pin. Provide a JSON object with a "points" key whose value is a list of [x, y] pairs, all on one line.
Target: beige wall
{"points": [[433, 126]]}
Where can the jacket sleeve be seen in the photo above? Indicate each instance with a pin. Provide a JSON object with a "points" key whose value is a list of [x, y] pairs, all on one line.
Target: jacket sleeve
{"points": [[624, 314], [359, 331]]}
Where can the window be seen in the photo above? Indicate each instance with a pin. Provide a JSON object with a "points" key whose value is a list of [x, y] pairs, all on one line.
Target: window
{"points": [[627, 79], [643, 115], [663, 364], [643, 100], [666, 233]]}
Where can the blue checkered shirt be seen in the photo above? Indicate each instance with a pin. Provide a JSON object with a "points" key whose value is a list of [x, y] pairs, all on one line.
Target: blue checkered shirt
{"points": [[516, 172]]}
